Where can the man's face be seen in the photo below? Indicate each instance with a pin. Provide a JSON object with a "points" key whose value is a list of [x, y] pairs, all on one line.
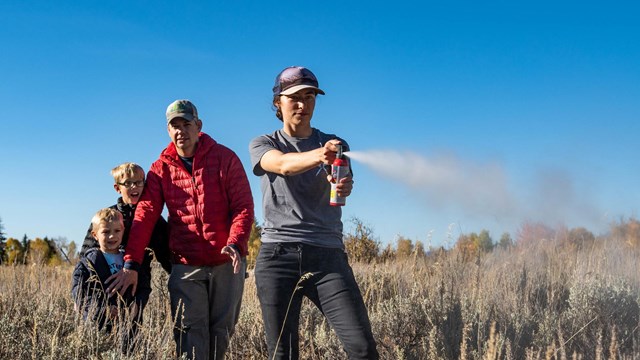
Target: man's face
{"points": [[184, 135], [109, 236], [130, 187]]}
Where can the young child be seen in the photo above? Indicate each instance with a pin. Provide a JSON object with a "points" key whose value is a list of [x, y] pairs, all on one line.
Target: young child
{"points": [[129, 183], [92, 271]]}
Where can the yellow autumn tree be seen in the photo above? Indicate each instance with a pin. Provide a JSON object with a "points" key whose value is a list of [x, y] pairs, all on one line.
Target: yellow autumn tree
{"points": [[14, 253], [404, 247], [39, 251], [467, 246], [627, 231], [472, 245]]}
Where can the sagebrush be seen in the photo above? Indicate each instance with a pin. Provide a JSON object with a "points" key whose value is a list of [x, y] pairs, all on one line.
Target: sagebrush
{"points": [[535, 300]]}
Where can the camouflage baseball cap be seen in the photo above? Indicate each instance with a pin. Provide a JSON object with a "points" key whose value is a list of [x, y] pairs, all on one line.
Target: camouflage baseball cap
{"points": [[182, 109], [294, 79]]}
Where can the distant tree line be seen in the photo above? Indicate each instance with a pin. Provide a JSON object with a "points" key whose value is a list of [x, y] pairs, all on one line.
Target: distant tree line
{"points": [[38, 251], [361, 243]]}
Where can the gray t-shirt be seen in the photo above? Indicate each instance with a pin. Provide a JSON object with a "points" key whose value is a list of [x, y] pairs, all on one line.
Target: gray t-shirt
{"points": [[296, 208]]}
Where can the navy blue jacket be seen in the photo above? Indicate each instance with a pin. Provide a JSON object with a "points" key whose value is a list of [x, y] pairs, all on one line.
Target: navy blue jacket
{"points": [[89, 290]]}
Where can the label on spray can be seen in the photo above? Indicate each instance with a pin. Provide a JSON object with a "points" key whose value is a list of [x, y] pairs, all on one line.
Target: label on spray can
{"points": [[339, 170]]}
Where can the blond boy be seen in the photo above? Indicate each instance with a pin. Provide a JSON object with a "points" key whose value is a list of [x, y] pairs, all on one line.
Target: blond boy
{"points": [[95, 267]]}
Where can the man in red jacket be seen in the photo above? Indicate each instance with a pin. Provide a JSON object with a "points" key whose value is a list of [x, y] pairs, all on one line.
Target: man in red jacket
{"points": [[210, 209]]}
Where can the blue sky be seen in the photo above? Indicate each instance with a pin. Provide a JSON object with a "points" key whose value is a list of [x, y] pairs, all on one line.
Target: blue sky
{"points": [[491, 113]]}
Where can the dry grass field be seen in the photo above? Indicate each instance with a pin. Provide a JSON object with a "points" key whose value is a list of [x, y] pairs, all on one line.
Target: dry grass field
{"points": [[535, 300]]}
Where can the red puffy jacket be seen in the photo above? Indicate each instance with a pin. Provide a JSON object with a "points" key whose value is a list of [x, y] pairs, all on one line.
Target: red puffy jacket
{"points": [[207, 210]]}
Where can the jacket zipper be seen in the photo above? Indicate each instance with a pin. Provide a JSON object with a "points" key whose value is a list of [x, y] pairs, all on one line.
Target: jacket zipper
{"points": [[196, 206], [198, 215]]}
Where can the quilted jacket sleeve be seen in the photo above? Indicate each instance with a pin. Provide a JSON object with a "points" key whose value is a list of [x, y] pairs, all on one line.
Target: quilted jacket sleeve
{"points": [[240, 204], [148, 211]]}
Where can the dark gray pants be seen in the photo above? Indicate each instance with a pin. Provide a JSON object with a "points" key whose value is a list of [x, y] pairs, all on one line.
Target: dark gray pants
{"points": [[332, 288], [206, 301]]}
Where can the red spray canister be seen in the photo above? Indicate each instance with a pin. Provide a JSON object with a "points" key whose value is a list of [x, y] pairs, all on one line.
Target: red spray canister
{"points": [[339, 170]]}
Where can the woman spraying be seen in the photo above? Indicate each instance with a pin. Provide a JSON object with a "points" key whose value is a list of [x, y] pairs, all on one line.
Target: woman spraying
{"points": [[302, 232]]}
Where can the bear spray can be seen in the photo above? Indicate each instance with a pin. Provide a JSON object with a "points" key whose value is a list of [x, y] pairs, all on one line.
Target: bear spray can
{"points": [[339, 170]]}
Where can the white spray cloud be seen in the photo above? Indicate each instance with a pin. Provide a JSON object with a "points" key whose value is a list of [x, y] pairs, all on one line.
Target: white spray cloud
{"points": [[556, 198], [481, 190]]}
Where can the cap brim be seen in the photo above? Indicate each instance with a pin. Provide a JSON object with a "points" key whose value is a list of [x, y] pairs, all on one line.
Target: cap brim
{"points": [[188, 117], [295, 89]]}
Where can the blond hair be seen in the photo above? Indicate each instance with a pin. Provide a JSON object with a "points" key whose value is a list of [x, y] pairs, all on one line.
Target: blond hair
{"points": [[106, 215], [127, 169]]}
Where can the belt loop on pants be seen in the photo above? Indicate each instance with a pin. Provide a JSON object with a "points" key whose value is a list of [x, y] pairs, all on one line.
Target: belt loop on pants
{"points": [[299, 247]]}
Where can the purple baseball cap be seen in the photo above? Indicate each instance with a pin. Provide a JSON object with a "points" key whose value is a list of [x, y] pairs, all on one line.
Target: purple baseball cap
{"points": [[294, 79]]}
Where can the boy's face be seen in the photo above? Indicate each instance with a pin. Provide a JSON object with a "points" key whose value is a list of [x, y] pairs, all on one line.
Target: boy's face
{"points": [[130, 187], [109, 236]]}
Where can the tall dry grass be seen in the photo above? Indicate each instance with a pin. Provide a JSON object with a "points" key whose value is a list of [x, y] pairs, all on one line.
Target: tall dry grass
{"points": [[541, 301]]}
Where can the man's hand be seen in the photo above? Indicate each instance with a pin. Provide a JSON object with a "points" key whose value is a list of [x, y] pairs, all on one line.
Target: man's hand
{"points": [[120, 282], [235, 257]]}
